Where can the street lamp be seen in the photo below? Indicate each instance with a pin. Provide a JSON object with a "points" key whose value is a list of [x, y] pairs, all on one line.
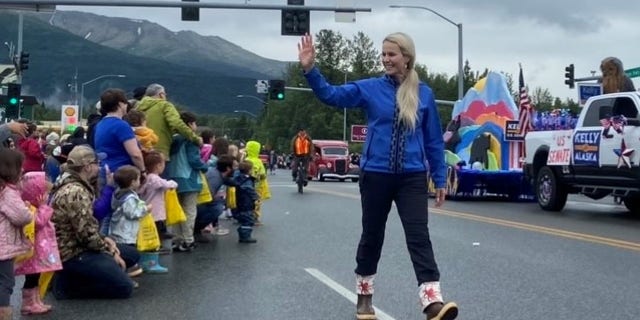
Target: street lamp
{"points": [[90, 81], [247, 112], [459, 26], [250, 96]]}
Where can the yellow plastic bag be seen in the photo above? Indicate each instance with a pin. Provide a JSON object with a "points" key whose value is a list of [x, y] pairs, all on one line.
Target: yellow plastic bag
{"points": [[231, 197], [30, 233], [148, 239], [205, 194], [175, 214], [43, 283]]}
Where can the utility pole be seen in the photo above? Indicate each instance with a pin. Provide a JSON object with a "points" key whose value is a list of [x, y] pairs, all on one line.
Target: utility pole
{"points": [[16, 56], [344, 114], [74, 88]]}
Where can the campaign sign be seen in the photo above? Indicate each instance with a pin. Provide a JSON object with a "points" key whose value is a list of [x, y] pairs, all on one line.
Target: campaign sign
{"points": [[358, 133], [560, 148], [586, 145], [512, 131], [588, 90]]}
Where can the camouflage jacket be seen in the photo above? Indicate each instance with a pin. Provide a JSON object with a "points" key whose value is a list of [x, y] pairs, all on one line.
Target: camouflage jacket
{"points": [[77, 230]]}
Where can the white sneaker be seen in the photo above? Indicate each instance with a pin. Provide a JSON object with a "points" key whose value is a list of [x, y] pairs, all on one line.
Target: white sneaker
{"points": [[221, 231]]}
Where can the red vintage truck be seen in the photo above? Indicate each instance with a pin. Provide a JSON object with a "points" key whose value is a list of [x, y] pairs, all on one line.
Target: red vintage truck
{"points": [[331, 160]]}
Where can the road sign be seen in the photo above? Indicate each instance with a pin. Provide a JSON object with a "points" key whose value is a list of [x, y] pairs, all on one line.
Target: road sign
{"points": [[358, 133], [262, 86], [588, 90], [633, 73]]}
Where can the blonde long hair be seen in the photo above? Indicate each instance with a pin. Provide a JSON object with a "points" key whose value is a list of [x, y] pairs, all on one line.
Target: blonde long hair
{"points": [[612, 75], [407, 95]]}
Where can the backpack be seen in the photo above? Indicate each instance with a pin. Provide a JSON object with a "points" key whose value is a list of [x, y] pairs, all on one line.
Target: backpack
{"points": [[179, 166]]}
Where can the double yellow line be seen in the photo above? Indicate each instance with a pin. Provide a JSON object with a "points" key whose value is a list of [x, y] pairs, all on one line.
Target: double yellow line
{"points": [[633, 246]]}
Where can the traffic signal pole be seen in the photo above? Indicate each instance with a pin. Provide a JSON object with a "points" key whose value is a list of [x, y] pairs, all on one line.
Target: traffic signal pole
{"points": [[176, 4], [16, 56]]}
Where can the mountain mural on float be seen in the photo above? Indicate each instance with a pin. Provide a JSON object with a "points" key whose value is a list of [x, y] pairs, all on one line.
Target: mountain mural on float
{"points": [[476, 134]]}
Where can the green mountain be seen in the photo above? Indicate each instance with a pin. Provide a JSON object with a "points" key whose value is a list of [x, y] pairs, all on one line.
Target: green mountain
{"points": [[56, 55]]}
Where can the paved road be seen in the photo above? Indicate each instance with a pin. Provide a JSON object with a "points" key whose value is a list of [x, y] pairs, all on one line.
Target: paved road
{"points": [[498, 261]]}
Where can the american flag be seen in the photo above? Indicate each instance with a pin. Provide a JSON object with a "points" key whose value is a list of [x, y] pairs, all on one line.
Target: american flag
{"points": [[525, 107]]}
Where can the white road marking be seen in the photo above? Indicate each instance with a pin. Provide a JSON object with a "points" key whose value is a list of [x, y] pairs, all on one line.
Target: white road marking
{"points": [[381, 315], [282, 185]]}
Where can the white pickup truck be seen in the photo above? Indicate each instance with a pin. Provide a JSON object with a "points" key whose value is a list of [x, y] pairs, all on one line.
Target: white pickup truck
{"points": [[599, 158]]}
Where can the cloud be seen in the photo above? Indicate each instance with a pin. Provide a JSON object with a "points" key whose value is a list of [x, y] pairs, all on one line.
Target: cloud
{"points": [[543, 35]]}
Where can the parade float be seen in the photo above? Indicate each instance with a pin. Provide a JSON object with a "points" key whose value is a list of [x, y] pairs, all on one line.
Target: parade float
{"points": [[484, 142]]}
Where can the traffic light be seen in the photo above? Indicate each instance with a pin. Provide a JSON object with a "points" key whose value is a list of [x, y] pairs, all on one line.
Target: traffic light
{"points": [[190, 14], [12, 111], [13, 94], [276, 89], [570, 76], [24, 61], [295, 22]]}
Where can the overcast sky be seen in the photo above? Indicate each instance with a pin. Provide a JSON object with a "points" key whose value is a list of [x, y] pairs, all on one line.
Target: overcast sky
{"points": [[543, 35]]}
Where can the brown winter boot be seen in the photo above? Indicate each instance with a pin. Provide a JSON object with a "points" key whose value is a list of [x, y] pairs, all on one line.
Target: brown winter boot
{"points": [[441, 311], [364, 289], [30, 303], [364, 308], [6, 313]]}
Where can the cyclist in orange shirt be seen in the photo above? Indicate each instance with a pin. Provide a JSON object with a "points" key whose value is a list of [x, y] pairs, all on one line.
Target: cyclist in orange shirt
{"points": [[302, 148]]}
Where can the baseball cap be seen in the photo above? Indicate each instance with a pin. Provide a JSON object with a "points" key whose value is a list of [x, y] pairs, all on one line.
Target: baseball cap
{"points": [[84, 155], [52, 138]]}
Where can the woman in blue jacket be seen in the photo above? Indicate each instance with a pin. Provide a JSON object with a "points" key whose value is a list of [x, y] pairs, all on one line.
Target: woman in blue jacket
{"points": [[404, 142]]}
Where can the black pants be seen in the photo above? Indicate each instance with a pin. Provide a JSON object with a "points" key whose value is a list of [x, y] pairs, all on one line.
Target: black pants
{"points": [[95, 275], [409, 192], [208, 213], [294, 166], [7, 282]]}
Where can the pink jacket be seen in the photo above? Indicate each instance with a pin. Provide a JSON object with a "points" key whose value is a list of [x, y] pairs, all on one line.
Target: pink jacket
{"points": [[45, 256], [205, 152], [152, 192], [14, 215]]}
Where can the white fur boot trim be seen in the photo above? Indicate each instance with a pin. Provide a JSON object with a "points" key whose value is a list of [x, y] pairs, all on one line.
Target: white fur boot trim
{"points": [[364, 285], [429, 293]]}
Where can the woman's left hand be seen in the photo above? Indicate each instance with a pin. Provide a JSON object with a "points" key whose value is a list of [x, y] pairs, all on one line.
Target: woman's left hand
{"points": [[440, 195]]}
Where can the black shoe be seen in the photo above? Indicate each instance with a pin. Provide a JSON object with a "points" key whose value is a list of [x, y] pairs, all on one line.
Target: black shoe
{"points": [[186, 247], [248, 240]]}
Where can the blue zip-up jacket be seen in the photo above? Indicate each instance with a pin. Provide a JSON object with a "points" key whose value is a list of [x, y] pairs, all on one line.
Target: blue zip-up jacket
{"points": [[185, 169], [246, 195], [388, 147]]}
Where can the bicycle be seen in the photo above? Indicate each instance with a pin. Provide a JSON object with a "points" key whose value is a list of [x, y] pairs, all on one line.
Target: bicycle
{"points": [[302, 174]]}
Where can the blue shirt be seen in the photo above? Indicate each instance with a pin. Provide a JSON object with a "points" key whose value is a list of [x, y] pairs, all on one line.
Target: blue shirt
{"points": [[110, 135], [388, 147]]}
